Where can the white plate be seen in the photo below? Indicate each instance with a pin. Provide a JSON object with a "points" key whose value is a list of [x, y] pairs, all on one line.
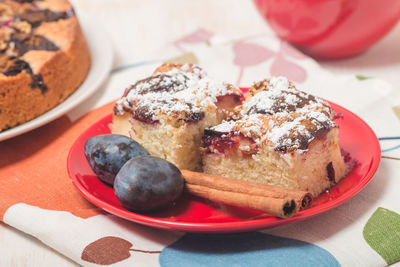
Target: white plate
{"points": [[101, 52]]}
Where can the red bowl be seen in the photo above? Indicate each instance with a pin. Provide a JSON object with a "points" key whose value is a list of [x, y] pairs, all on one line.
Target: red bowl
{"points": [[330, 29]]}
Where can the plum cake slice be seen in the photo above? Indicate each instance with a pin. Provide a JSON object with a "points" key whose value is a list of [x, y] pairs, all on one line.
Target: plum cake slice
{"points": [[279, 136], [168, 112]]}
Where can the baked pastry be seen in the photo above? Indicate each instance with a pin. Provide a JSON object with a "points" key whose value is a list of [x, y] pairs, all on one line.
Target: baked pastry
{"points": [[167, 112], [279, 136], [43, 58]]}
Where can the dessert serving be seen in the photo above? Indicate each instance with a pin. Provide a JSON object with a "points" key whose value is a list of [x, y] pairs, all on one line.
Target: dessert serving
{"points": [[273, 152], [280, 136], [248, 205], [168, 112], [43, 58]]}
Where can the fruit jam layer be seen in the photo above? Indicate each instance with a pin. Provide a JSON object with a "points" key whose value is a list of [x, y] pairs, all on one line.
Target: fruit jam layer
{"points": [[221, 142], [224, 142]]}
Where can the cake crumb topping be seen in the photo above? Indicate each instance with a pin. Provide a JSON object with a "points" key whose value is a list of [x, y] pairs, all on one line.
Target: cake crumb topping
{"points": [[280, 115], [183, 91]]}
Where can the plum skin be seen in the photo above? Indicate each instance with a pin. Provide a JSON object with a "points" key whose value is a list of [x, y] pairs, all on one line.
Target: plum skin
{"points": [[147, 183], [107, 153]]}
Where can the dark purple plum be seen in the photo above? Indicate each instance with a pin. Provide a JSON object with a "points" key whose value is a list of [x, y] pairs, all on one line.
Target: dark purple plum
{"points": [[146, 183], [107, 153]]}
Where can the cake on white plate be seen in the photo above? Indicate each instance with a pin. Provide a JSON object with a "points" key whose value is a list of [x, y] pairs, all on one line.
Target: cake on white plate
{"points": [[279, 136], [168, 112]]}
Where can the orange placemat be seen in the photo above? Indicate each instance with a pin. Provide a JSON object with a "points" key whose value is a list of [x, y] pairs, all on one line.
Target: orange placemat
{"points": [[33, 167]]}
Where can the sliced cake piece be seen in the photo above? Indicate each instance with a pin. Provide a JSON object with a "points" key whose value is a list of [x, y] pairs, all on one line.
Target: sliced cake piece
{"points": [[168, 112], [280, 136]]}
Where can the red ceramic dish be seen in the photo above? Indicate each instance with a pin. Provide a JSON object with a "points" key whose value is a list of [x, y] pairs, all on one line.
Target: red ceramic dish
{"points": [[330, 28], [191, 214]]}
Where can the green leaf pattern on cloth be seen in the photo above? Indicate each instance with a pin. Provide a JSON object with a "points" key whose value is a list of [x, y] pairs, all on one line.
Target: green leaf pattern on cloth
{"points": [[382, 233], [362, 77]]}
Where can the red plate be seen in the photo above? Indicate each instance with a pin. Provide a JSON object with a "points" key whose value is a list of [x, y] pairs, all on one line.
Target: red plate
{"points": [[191, 214]]}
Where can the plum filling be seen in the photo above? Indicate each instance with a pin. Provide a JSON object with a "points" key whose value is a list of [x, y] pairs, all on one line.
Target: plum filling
{"points": [[217, 141], [331, 172], [228, 102], [26, 42], [37, 82], [17, 65], [348, 160], [37, 17], [280, 102], [193, 116], [11, 66], [158, 83], [222, 142], [5, 23], [143, 114], [302, 139], [24, 1]]}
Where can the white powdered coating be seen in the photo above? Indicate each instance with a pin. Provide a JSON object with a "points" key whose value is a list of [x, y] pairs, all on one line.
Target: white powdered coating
{"points": [[252, 125], [279, 83], [291, 99], [282, 116], [277, 92], [262, 100], [224, 127], [297, 127], [187, 89]]}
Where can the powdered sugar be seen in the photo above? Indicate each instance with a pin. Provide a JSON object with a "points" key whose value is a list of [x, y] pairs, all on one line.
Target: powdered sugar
{"points": [[275, 96], [184, 89], [279, 83], [224, 127], [279, 114]]}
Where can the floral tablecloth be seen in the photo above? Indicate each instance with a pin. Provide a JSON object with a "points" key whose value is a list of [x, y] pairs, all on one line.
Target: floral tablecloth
{"points": [[38, 198]]}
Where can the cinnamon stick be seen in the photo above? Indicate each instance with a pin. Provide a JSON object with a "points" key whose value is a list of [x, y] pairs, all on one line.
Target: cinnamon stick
{"points": [[278, 201]]}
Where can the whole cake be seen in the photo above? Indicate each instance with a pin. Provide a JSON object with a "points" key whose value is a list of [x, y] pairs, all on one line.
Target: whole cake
{"points": [[44, 58], [279, 136], [168, 112]]}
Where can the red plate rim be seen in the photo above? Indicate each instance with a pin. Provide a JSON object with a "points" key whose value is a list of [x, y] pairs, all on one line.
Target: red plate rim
{"points": [[224, 227]]}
